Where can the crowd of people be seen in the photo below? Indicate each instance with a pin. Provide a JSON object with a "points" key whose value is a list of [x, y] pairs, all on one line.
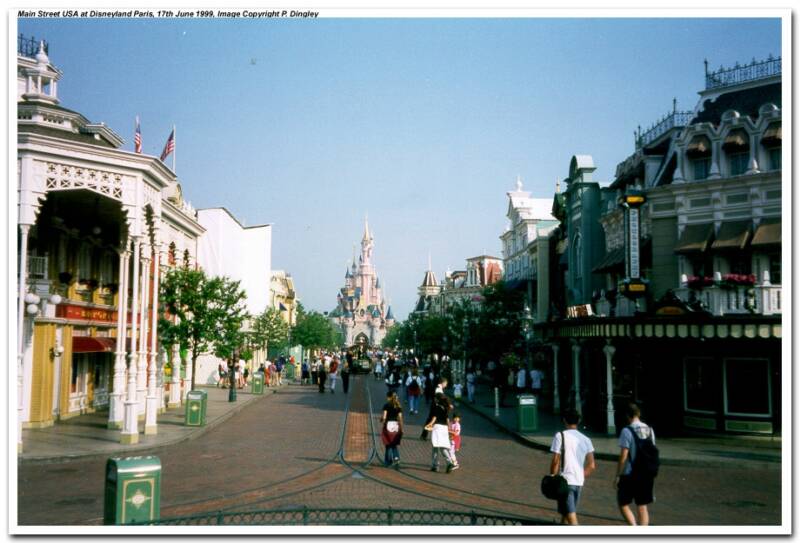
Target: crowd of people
{"points": [[271, 370]]}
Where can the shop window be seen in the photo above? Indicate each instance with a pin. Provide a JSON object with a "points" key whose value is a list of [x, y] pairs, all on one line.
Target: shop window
{"points": [[747, 387], [73, 383], [740, 263], [702, 167], [775, 268], [701, 384], [85, 262], [737, 163], [774, 158]]}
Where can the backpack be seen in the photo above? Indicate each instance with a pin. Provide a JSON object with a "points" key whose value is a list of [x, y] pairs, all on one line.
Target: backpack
{"points": [[646, 461], [413, 388]]}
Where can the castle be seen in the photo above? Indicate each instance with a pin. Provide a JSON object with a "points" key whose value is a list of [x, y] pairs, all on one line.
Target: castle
{"points": [[361, 311]]}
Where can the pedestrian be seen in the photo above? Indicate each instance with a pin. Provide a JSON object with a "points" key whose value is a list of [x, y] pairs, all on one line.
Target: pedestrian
{"points": [[333, 372], [455, 436], [321, 376], [378, 368], [637, 468], [501, 382], [575, 464], [441, 386], [414, 390], [392, 380], [471, 378], [246, 375], [314, 371], [304, 372], [222, 375], [438, 426], [346, 368], [392, 429], [536, 381], [522, 373]]}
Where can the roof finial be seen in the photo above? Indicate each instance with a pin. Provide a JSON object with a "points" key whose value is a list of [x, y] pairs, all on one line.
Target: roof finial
{"points": [[519, 183], [366, 227], [674, 105], [429, 260]]}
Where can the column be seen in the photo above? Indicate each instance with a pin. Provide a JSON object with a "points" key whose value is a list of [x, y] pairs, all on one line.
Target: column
{"points": [[23, 274], [716, 151], [115, 404], [556, 395], [678, 176], [151, 403], [141, 369], [576, 374], [611, 427], [130, 423], [175, 388], [162, 399], [752, 165]]}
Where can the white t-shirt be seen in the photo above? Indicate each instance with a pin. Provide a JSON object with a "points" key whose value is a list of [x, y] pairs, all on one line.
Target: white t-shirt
{"points": [[576, 447], [626, 441], [536, 379], [521, 378]]}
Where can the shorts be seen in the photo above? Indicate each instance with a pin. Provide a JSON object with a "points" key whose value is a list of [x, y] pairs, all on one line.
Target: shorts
{"points": [[639, 490], [569, 504]]}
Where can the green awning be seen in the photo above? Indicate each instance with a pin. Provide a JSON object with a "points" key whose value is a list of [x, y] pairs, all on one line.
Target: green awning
{"points": [[732, 235], [695, 238]]}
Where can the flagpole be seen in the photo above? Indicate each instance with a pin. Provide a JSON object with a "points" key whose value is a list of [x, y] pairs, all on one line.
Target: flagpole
{"points": [[174, 147]]}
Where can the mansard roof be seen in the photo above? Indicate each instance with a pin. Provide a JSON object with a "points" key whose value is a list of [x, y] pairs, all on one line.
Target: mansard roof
{"points": [[429, 280]]}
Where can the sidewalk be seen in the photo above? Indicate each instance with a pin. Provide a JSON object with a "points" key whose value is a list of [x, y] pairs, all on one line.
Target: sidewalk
{"points": [[87, 436], [701, 451]]}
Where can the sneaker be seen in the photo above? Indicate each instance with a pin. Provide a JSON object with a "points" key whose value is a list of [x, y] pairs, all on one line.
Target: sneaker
{"points": [[450, 468], [396, 464], [455, 466]]}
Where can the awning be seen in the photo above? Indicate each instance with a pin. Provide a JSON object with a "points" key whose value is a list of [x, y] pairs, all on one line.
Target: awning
{"points": [[612, 259], [768, 232], [699, 146], [695, 238], [88, 344], [773, 134], [732, 235], [736, 139]]}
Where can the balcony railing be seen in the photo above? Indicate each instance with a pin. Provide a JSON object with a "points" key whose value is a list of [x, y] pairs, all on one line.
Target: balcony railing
{"points": [[727, 77], [37, 267], [674, 119], [735, 301], [28, 47]]}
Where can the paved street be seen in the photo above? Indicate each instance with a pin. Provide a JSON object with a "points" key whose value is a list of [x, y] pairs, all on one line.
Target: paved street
{"points": [[284, 452]]}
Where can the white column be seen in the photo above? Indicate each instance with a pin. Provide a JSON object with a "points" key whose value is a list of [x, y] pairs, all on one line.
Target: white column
{"points": [[175, 388], [115, 405], [130, 423], [23, 274], [611, 427], [576, 374], [188, 383], [678, 176], [556, 396], [162, 399], [141, 373], [716, 154], [151, 403], [752, 165]]}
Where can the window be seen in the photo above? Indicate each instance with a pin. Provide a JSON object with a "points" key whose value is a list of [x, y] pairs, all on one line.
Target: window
{"points": [[747, 387], [701, 384], [740, 263], [775, 268], [774, 158], [738, 162], [85, 262], [702, 167]]}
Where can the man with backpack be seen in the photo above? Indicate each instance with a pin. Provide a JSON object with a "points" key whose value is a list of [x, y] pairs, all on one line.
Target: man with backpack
{"points": [[637, 468]]}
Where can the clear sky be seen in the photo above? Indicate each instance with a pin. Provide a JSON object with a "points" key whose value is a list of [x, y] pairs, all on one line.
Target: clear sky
{"points": [[423, 124]]}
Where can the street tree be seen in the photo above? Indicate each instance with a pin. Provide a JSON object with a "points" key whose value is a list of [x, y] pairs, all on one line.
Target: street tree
{"points": [[313, 330], [228, 314], [270, 330]]}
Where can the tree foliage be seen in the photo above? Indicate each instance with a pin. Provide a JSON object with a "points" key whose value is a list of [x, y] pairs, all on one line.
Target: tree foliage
{"points": [[314, 330], [270, 330]]}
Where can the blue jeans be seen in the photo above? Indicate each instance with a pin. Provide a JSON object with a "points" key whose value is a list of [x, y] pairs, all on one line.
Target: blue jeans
{"points": [[391, 455], [413, 403]]}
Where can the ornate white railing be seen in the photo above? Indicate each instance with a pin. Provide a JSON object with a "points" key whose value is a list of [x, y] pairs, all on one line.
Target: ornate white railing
{"points": [[759, 299]]}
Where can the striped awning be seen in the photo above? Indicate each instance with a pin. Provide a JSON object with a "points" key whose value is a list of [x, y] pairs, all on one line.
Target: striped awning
{"points": [[732, 235], [773, 134], [699, 146], [736, 139], [768, 232], [695, 238]]}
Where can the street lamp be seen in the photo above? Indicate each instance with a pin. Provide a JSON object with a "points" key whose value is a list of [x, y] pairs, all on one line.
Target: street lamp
{"points": [[527, 320], [463, 365]]}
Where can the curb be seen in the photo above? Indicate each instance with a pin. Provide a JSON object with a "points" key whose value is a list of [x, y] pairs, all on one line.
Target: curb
{"points": [[194, 434], [528, 442]]}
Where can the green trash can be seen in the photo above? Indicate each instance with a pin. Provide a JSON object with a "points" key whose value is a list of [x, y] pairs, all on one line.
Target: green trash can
{"points": [[527, 413], [288, 371], [133, 490], [257, 383], [196, 401]]}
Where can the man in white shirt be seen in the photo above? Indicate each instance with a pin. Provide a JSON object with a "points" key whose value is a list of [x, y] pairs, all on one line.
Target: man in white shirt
{"points": [[536, 381], [577, 465]]}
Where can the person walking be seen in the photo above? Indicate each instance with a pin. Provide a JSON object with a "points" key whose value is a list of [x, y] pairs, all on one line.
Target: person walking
{"points": [[346, 368], [304, 372], [471, 378], [536, 381], [578, 463], [223, 375], [392, 429], [455, 437], [637, 468], [414, 390], [378, 368], [333, 373], [522, 374], [321, 376], [314, 371], [430, 385], [438, 426]]}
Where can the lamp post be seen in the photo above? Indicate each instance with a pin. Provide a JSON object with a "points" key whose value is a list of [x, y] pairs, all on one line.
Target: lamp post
{"points": [[527, 320], [463, 365]]}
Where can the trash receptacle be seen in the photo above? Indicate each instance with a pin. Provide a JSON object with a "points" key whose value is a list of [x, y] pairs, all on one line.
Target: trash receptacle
{"points": [[133, 490], [527, 414], [288, 371], [196, 401], [257, 384]]}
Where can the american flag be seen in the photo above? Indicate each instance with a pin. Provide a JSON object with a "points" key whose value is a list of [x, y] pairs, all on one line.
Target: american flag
{"points": [[137, 138], [170, 145]]}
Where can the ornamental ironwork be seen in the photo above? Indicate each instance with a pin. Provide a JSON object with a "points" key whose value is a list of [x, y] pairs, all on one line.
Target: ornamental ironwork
{"points": [[66, 177], [726, 77], [347, 517], [673, 119], [28, 47]]}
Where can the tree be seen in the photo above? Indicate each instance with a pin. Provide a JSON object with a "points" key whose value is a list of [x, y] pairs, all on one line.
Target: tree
{"points": [[499, 328], [270, 330], [204, 311], [228, 314], [315, 331]]}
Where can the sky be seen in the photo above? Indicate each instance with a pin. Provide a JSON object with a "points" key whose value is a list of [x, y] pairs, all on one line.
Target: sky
{"points": [[422, 125]]}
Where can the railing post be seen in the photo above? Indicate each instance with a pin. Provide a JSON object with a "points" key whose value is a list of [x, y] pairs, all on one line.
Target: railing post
{"points": [[473, 518], [389, 517], [305, 515], [220, 518]]}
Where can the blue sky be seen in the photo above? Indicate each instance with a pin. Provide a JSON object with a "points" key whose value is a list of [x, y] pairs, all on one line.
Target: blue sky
{"points": [[423, 124]]}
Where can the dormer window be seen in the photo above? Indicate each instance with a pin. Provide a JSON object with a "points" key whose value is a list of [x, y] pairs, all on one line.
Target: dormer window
{"points": [[772, 142], [699, 154], [737, 149]]}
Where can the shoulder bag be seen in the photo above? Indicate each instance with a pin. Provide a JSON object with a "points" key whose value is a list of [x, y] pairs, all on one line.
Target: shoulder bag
{"points": [[555, 487]]}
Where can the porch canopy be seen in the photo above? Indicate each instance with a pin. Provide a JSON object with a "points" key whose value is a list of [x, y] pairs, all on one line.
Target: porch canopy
{"points": [[768, 232], [90, 344], [733, 235], [695, 238]]}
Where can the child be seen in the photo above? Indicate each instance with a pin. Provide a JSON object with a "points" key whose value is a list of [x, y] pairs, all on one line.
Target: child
{"points": [[455, 438]]}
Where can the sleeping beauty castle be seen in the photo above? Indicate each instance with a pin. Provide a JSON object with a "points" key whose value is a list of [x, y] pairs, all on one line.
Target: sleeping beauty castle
{"points": [[361, 312]]}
